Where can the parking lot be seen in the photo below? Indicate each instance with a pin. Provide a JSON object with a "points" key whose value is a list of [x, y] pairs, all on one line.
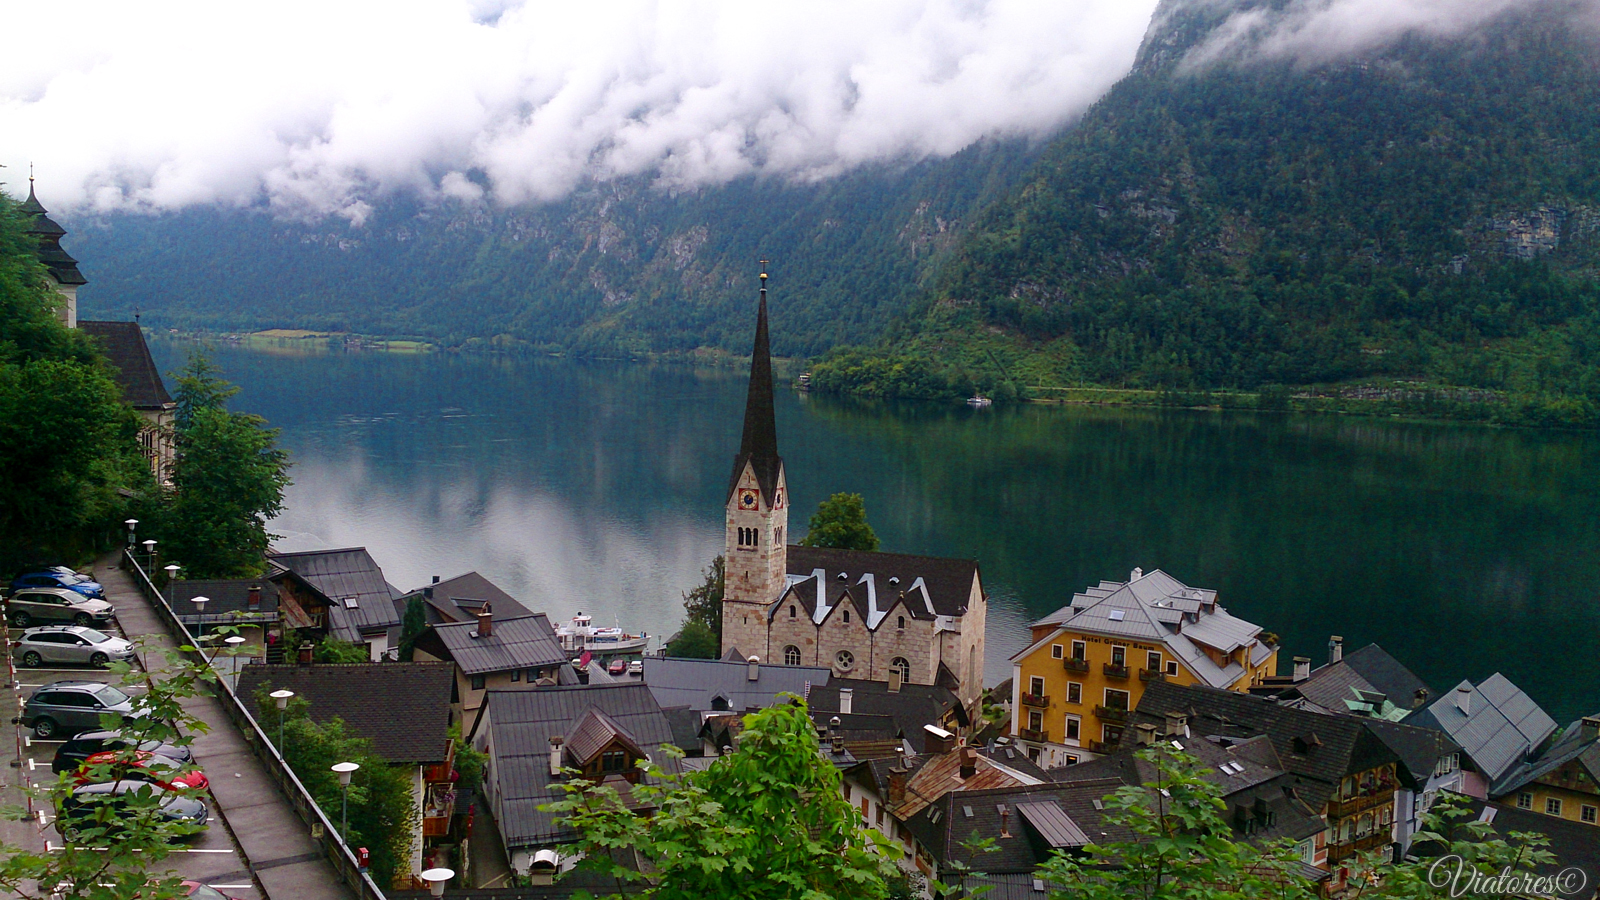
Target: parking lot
{"points": [[211, 857]]}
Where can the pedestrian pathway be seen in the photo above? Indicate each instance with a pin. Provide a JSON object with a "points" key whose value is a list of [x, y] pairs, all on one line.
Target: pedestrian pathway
{"points": [[280, 855]]}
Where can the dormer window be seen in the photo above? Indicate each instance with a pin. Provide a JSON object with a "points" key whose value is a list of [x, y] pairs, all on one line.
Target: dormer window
{"points": [[613, 761]]}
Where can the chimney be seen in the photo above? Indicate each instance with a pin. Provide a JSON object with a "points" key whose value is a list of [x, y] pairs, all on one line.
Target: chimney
{"points": [[305, 653], [1420, 698], [253, 599], [936, 740], [1136, 574], [897, 786], [894, 680], [1590, 729], [1464, 700], [485, 622], [1146, 734], [1302, 668], [835, 735], [1335, 649], [555, 754], [427, 592], [1177, 725], [753, 670], [1005, 821], [846, 701], [969, 762]]}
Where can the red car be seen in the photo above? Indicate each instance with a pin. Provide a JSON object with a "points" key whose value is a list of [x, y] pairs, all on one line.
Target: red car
{"points": [[198, 891], [159, 770], [618, 667]]}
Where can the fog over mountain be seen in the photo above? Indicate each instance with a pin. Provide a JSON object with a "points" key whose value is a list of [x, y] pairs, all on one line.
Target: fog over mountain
{"points": [[321, 107]]}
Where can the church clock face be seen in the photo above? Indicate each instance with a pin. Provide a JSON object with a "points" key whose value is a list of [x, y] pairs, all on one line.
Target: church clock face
{"points": [[748, 499]]}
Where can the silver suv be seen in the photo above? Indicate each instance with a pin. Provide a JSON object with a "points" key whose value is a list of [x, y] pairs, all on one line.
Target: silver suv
{"points": [[69, 644], [65, 708], [30, 605]]}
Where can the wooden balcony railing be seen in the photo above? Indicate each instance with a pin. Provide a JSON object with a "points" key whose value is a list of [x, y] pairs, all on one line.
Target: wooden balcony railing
{"points": [[1347, 849], [1338, 809], [1075, 665], [1028, 734], [1114, 671], [1152, 675], [1040, 700], [1111, 713]]}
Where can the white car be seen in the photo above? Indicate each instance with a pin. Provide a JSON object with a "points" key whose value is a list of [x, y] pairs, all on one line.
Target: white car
{"points": [[69, 644], [636, 667]]}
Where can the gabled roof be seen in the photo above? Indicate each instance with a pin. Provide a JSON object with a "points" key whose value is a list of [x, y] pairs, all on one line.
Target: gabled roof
{"points": [[940, 775], [914, 706], [1157, 608], [459, 599], [1019, 845], [699, 683], [403, 708], [1503, 729], [526, 642], [1372, 670], [932, 586], [223, 597], [1571, 843], [594, 732], [135, 371], [1419, 749], [758, 447], [360, 601], [521, 724], [1573, 745]]}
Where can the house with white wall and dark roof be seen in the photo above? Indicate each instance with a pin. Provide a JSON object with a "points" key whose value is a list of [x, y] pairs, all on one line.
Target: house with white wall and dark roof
{"points": [[494, 653], [340, 593]]}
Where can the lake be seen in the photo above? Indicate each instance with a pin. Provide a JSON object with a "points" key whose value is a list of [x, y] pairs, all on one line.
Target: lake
{"points": [[598, 486]]}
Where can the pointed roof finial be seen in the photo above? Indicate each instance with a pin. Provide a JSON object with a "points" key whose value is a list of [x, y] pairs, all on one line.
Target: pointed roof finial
{"points": [[759, 446]]}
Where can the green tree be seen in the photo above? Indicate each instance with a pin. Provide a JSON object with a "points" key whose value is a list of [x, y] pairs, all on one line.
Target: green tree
{"points": [[412, 625], [1455, 847], [333, 650], [765, 822], [703, 605], [694, 641], [228, 481], [469, 760], [841, 522], [383, 812]]}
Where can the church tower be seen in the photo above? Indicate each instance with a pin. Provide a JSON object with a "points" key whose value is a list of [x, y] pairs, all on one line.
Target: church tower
{"points": [[757, 520], [63, 268]]}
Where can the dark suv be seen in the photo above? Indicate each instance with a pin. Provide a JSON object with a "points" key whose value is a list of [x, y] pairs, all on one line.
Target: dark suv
{"points": [[66, 708], [70, 756], [77, 810]]}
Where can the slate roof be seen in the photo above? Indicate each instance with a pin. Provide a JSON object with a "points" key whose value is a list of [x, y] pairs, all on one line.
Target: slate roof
{"points": [[1370, 669], [526, 642], [459, 599], [1571, 746], [360, 601], [759, 445], [956, 817], [63, 268], [223, 597], [914, 706], [1572, 843], [403, 708], [698, 683], [1157, 608], [521, 725], [933, 586], [1419, 749], [1320, 749], [1505, 726], [135, 371]]}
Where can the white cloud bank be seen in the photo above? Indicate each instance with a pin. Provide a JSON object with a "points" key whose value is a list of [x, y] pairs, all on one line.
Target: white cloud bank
{"points": [[320, 105]]}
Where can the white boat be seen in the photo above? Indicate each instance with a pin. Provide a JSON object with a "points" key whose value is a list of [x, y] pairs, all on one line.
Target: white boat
{"points": [[978, 401], [581, 634]]}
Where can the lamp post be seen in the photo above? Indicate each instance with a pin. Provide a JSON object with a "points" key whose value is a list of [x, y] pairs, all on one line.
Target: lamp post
{"points": [[150, 554], [172, 570], [232, 650], [200, 605], [132, 525], [437, 879], [345, 770], [281, 697]]}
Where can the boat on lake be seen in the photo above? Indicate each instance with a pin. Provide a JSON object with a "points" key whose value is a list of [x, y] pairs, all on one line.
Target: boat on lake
{"points": [[582, 634], [978, 401]]}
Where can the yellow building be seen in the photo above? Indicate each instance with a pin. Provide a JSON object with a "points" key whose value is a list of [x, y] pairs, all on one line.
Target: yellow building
{"points": [[1088, 662], [1565, 780]]}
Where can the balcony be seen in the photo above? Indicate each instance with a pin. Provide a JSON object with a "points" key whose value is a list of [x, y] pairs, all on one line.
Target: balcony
{"points": [[1028, 734], [1075, 665], [1112, 670], [1347, 849], [1152, 675], [1111, 714], [1040, 700], [1338, 809], [1103, 747]]}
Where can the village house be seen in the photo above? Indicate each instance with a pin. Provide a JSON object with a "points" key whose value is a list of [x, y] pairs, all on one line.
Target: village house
{"points": [[338, 593], [863, 615], [460, 599], [495, 654], [1497, 726], [1089, 662], [1564, 781], [248, 604], [402, 708]]}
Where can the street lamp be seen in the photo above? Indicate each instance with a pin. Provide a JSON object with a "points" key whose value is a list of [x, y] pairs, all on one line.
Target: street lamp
{"points": [[132, 525], [200, 605], [281, 697], [233, 641], [172, 570], [437, 879], [345, 770], [150, 553]]}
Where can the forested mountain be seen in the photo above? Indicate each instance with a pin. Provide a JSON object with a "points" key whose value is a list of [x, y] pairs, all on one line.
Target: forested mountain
{"points": [[1429, 210], [616, 267]]}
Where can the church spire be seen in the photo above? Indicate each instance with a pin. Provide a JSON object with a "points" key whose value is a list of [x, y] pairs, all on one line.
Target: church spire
{"points": [[759, 446]]}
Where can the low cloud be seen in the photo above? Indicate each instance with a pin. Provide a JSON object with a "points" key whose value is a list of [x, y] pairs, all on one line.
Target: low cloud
{"points": [[321, 107]]}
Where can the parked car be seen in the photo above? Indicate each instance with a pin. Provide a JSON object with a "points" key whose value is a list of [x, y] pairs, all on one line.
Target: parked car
{"points": [[198, 891], [65, 708], [617, 667], [70, 756], [146, 766], [33, 605], [636, 667], [61, 577], [69, 644], [75, 809]]}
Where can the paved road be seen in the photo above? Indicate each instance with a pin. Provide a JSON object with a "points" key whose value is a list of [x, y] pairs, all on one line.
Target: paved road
{"points": [[257, 846]]}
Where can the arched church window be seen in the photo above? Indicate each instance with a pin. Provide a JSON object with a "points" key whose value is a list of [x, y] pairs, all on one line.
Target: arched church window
{"points": [[844, 659], [847, 617], [791, 612], [903, 666], [900, 622], [791, 653]]}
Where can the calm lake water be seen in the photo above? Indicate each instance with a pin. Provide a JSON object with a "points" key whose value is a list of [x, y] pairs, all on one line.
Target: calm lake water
{"points": [[599, 486]]}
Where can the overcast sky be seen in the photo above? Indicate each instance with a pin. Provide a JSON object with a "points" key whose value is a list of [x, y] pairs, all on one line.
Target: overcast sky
{"points": [[320, 105]]}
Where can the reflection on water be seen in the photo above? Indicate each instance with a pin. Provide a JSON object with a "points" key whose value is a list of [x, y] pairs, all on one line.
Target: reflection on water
{"points": [[599, 486]]}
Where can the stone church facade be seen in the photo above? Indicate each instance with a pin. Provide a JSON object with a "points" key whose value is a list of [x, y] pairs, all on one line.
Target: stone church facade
{"points": [[873, 616]]}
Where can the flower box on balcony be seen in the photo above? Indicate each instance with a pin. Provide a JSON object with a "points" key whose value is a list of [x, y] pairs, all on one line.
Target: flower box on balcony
{"points": [[1035, 700], [1111, 713], [1028, 734], [1114, 671], [1152, 675], [1075, 665]]}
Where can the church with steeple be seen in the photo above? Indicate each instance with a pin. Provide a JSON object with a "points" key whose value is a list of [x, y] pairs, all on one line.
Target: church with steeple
{"points": [[886, 617]]}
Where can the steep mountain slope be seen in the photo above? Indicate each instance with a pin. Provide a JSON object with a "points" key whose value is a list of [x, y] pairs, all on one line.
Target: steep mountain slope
{"points": [[616, 267], [1428, 210]]}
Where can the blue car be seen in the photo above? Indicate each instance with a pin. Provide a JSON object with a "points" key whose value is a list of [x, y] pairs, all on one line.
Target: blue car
{"points": [[62, 577]]}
